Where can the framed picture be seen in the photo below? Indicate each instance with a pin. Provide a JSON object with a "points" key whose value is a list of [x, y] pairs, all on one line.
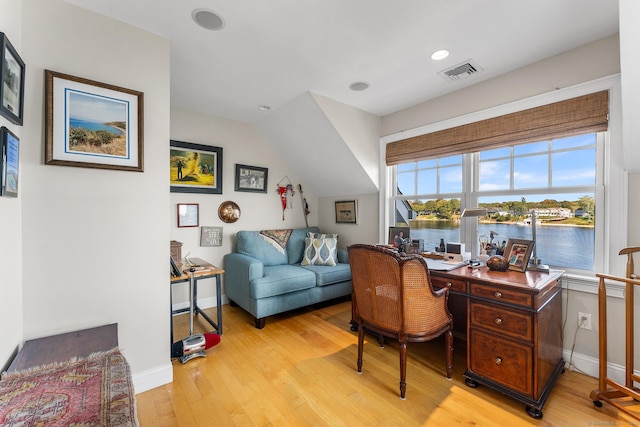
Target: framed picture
{"points": [[346, 212], [518, 252], [195, 168], [92, 125], [9, 162], [252, 179], [188, 215], [12, 84], [210, 236], [397, 235]]}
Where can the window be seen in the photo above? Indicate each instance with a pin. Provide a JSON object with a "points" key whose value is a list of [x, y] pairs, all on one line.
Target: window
{"points": [[553, 181]]}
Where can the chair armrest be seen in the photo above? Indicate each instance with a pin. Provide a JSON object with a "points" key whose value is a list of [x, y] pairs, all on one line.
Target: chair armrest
{"points": [[243, 268]]}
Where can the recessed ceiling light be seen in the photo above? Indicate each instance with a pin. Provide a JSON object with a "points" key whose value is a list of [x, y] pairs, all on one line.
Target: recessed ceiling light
{"points": [[358, 86], [439, 54], [264, 108], [207, 19]]}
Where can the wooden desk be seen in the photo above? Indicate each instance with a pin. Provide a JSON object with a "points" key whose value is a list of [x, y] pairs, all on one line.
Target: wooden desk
{"points": [[513, 325], [211, 272]]}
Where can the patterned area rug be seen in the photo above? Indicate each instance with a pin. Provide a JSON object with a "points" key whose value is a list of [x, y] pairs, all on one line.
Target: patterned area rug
{"points": [[94, 391], [277, 238]]}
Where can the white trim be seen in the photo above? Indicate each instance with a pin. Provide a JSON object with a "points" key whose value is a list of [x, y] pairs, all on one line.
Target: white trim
{"points": [[590, 366], [152, 378]]}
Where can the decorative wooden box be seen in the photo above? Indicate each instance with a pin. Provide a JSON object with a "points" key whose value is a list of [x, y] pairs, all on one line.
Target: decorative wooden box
{"points": [[176, 251]]}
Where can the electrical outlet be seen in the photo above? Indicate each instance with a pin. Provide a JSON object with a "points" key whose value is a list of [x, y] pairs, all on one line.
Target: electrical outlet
{"points": [[584, 320]]}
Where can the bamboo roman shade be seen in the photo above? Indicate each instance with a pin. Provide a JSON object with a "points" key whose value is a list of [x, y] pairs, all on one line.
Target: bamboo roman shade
{"points": [[584, 114]]}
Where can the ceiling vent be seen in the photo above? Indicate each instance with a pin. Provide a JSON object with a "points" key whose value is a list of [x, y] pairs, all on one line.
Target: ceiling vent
{"points": [[461, 71]]}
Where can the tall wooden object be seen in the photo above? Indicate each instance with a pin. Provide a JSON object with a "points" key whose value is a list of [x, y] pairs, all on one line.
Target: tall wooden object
{"points": [[609, 390]]}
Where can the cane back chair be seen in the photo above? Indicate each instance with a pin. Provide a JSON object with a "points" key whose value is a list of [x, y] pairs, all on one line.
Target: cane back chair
{"points": [[393, 297]]}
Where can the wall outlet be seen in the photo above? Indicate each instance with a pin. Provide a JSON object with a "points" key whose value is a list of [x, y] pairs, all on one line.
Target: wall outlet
{"points": [[584, 320]]}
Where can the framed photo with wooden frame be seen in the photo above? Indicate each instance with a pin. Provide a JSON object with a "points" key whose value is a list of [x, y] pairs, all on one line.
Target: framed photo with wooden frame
{"points": [[12, 72], [195, 168], [92, 125], [346, 212], [252, 179], [517, 253], [188, 215]]}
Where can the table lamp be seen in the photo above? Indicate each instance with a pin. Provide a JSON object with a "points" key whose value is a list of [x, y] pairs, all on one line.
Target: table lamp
{"points": [[535, 263], [477, 212]]}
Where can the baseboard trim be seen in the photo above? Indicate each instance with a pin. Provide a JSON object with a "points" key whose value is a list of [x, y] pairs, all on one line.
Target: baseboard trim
{"points": [[152, 378], [590, 366]]}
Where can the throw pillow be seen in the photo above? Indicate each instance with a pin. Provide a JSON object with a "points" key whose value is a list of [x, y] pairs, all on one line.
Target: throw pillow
{"points": [[320, 249]]}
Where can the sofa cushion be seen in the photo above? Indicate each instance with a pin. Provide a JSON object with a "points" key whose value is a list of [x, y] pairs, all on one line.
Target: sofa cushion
{"points": [[328, 275], [320, 249], [281, 279], [295, 246], [253, 244]]}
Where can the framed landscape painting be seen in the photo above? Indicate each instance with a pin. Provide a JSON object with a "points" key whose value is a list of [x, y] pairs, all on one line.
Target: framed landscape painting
{"points": [[91, 124], [195, 168]]}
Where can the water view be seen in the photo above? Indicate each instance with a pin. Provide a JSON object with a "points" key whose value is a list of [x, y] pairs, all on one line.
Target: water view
{"points": [[86, 124], [555, 244]]}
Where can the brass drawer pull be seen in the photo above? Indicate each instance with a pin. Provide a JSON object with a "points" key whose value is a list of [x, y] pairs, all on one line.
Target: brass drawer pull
{"points": [[449, 284], [498, 360], [498, 321], [498, 294]]}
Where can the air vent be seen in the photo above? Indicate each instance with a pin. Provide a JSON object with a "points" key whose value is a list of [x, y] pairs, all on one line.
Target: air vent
{"points": [[461, 71]]}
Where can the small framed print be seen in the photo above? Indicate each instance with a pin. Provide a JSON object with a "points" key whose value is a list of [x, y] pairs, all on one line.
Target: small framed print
{"points": [[251, 179], [11, 82], [210, 236], [188, 215], [346, 212], [517, 253], [9, 163]]}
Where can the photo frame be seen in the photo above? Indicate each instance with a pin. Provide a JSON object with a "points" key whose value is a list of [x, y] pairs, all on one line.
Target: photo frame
{"points": [[195, 168], [346, 212], [91, 124], [9, 162], [517, 252], [396, 233], [210, 236], [12, 73], [188, 215], [252, 179]]}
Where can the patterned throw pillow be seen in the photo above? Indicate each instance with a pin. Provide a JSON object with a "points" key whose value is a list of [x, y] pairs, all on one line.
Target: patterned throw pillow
{"points": [[320, 249]]}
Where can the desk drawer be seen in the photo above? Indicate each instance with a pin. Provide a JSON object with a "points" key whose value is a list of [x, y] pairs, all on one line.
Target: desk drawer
{"points": [[502, 320], [452, 284], [502, 361], [498, 294]]}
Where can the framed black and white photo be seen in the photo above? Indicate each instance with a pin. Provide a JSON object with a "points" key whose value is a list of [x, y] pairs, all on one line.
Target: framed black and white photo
{"points": [[195, 168], [188, 215], [9, 162], [251, 178], [346, 212], [210, 236], [92, 125], [12, 82]]}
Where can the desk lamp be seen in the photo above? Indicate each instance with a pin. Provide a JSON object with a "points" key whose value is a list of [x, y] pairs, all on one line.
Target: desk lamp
{"points": [[477, 212], [535, 263]]}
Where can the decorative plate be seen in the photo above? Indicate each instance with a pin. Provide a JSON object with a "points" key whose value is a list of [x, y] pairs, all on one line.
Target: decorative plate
{"points": [[229, 212]]}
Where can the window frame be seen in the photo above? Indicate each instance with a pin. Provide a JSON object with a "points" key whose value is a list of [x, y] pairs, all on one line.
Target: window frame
{"points": [[611, 178]]}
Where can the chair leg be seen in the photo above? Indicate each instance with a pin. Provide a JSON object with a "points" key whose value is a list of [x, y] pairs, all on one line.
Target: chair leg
{"points": [[360, 346], [403, 369], [449, 344]]}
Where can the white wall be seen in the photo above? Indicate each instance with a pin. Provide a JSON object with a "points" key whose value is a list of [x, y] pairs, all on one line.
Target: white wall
{"points": [[11, 214], [95, 242], [241, 144]]}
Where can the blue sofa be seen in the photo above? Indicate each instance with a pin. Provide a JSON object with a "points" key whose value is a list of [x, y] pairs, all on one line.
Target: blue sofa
{"points": [[265, 280]]}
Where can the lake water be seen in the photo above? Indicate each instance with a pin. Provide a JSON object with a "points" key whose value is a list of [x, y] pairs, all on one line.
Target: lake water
{"points": [[556, 245], [85, 124]]}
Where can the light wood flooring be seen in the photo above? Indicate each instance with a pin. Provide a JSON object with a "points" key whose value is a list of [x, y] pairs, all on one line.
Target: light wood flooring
{"points": [[300, 370]]}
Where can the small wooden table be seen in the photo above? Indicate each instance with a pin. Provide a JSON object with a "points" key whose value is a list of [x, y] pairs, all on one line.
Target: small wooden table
{"points": [[210, 271]]}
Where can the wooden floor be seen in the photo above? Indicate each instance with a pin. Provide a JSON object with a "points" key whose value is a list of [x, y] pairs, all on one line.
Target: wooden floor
{"points": [[300, 370]]}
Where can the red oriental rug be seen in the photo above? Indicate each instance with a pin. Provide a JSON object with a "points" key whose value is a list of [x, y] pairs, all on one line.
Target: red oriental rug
{"points": [[93, 391]]}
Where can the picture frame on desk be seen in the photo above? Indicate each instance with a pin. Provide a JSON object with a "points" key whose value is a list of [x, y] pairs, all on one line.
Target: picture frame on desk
{"points": [[12, 72], [517, 253]]}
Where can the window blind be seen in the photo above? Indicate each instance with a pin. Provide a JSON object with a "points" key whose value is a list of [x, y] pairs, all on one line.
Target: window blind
{"points": [[584, 114]]}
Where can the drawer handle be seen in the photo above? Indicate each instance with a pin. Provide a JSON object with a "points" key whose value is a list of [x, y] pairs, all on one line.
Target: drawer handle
{"points": [[449, 284], [498, 360], [498, 294], [498, 321]]}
